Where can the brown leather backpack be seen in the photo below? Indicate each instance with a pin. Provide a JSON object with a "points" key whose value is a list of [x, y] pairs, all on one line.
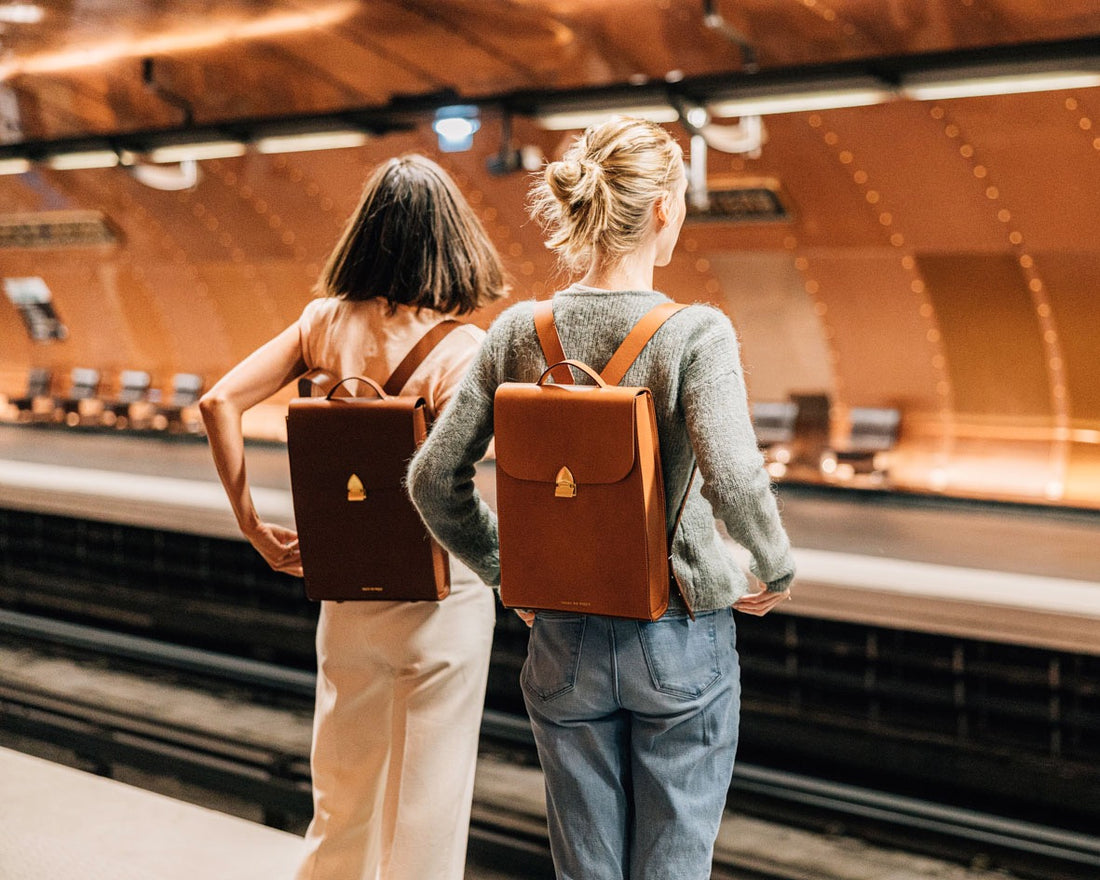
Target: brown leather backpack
{"points": [[580, 495], [359, 535]]}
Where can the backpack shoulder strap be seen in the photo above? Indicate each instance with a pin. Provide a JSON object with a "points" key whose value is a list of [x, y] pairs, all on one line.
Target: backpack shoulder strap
{"points": [[416, 355], [636, 340], [551, 342]]}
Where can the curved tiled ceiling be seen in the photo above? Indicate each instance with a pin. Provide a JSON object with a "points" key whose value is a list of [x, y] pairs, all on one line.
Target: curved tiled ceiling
{"points": [[78, 71], [937, 256]]}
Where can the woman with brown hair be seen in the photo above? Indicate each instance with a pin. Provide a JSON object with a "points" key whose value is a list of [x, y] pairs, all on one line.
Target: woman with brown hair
{"points": [[400, 685], [635, 721]]}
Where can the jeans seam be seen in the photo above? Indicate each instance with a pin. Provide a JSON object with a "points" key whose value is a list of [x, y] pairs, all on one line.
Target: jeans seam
{"points": [[613, 648]]}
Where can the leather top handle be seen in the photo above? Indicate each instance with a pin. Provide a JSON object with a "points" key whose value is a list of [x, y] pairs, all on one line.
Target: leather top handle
{"points": [[417, 353], [553, 369], [624, 355], [374, 386]]}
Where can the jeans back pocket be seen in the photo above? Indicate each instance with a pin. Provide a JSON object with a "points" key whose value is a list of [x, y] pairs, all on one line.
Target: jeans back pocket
{"points": [[553, 654], [685, 656]]}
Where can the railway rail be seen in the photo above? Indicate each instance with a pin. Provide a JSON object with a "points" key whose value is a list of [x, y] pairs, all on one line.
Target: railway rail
{"points": [[278, 779]]}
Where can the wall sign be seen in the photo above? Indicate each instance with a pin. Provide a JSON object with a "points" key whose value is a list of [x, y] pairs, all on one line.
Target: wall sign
{"points": [[55, 229]]}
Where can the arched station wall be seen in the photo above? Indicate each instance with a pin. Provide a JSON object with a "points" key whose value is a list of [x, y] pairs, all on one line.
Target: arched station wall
{"points": [[937, 257]]}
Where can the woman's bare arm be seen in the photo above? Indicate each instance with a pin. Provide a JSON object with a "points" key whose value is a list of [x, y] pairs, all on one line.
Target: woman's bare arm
{"points": [[253, 380]]}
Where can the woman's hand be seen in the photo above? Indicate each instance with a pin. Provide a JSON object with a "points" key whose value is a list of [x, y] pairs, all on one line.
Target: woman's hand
{"points": [[527, 617], [761, 603], [279, 546]]}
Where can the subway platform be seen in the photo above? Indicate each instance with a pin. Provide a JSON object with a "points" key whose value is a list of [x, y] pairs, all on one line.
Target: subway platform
{"points": [[59, 823], [62, 823]]}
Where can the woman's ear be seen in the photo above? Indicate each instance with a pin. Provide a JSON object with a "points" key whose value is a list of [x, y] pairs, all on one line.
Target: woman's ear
{"points": [[660, 212]]}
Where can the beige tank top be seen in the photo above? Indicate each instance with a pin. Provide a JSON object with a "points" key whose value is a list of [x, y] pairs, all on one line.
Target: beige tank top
{"points": [[361, 338]]}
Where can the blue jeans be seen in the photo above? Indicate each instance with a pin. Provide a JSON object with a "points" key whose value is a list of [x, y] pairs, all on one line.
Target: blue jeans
{"points": [[636, 728]]}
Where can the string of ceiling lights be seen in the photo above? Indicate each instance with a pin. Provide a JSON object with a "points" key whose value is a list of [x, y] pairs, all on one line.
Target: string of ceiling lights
{"points": [[696, 102]]}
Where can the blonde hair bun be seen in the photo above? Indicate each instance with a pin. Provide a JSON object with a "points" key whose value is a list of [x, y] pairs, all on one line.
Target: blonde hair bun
{"points": [[572, 180], [600, 194]]}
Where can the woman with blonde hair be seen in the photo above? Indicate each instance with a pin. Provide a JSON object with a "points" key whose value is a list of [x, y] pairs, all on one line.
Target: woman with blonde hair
{"points": [[635, 721], [400, 685]]}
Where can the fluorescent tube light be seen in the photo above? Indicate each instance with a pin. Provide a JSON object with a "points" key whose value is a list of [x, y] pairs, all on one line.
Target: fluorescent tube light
{"points": [[799, 102], [311, 140], [580, 118], [83, 159], [198, 150], [926, 88], [21, 13], [14, 166]]}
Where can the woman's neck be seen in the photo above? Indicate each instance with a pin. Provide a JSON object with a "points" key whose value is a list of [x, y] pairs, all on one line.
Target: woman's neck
{"points": [[633, 272]]}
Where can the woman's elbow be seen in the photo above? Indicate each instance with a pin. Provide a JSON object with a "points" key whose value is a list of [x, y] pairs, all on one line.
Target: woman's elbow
{"points": [[216, 405], [419, 478], [211, 402]]}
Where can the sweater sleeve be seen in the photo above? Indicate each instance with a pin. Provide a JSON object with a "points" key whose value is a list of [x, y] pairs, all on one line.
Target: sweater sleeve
{"points": [[441, 475], [716, 412]]}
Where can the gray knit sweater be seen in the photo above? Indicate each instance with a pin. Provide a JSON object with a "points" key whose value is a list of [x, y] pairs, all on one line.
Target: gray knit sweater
{"points": [[692, 367]]}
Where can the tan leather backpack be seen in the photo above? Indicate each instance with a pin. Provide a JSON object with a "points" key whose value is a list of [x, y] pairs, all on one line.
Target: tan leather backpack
{"points": [[580, 495]]}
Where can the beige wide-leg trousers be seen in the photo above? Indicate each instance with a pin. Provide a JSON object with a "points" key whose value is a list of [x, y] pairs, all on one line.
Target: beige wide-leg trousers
{"points": [[400, 690]]}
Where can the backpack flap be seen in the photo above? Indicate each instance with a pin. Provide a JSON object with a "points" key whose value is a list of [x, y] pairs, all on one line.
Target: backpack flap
{"points": [[541, 429], [376, 437]]}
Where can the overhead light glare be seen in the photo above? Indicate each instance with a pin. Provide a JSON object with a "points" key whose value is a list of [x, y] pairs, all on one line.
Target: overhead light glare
{"points": [[455, 127], [14, 166], [570, 119], [311, 140], [172, 42], [21, 13], [698, 117], [799, 102], [83, 159], [197, 150], [925, 88]]}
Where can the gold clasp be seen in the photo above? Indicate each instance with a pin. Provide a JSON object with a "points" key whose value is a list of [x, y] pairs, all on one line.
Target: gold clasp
{"points": [[566, 487], [356, 492]]}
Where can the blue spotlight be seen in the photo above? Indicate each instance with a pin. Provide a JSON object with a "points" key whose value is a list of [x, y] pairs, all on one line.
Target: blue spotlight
{"points": [[455, 127]]}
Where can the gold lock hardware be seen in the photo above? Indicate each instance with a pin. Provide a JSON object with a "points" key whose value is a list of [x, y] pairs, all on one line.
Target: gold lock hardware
{"points": [[356, 492], [565, 485]]}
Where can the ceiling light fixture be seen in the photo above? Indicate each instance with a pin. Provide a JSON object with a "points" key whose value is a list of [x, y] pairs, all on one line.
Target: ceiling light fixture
{"points": [[82, 159], [455, 127], [937, 87], [334, 139], [21, 13], [800, 100], [564, 118], [14, 166], [180, 152]]}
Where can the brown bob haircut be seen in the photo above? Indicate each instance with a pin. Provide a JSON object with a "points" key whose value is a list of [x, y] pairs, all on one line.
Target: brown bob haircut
{"points": [[414, 240]]}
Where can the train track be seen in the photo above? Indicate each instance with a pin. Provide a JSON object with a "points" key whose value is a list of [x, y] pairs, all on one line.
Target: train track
{"points": [[278, 778]]}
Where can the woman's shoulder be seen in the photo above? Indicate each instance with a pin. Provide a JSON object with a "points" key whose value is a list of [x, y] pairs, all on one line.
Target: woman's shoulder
{"points": [[319, 312], [464, 338], [511, 321], [706, 317], [515, 314], [700, 325]]}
